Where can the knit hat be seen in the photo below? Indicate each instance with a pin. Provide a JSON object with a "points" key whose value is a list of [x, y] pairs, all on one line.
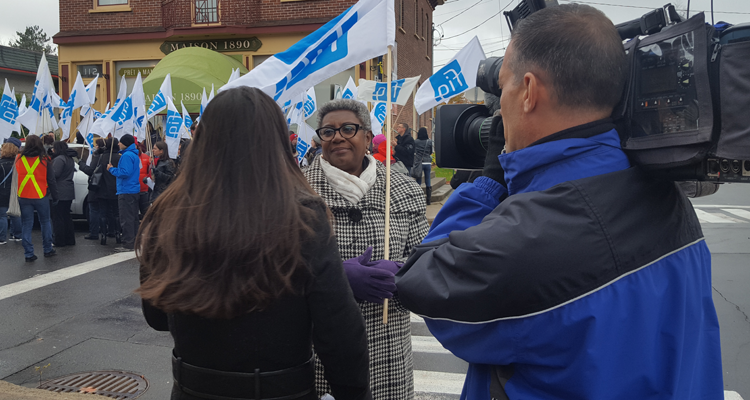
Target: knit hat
{"points": [[127, 139], [377, 140], [14, 141], [292, 137]]}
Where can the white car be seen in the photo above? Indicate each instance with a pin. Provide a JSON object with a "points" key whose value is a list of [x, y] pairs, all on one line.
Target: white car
{"points": [[80, 206]]}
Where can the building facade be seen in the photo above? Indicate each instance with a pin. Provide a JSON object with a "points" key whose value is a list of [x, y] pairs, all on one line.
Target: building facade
{"points": [[20, 66], [116, 38]]}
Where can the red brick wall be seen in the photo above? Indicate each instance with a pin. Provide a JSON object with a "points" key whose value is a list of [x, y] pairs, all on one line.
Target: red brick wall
{"points": [[75, 16], [414, 53]]}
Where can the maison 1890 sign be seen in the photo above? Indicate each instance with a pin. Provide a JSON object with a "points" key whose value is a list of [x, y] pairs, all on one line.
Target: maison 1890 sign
{"points": [[249, 44]]}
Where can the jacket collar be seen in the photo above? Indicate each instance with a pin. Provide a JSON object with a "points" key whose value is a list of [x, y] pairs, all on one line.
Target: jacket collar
{"points": [[130, 148], [521, 166], [373, 199]]}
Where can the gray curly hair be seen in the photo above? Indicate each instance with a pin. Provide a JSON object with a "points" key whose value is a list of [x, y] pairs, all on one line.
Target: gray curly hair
{"points": [[359, 110]]}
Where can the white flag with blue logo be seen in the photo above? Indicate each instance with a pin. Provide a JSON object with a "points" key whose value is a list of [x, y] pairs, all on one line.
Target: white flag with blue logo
{"points": [[401, 90], [305, 135], [138, 100], [85, 128], [107, 123], [350, 90], [91, 91], [377, 118], [172, 132], [160, 99], [21, 110], [456, 77], [311, 103], [362, 32], [40, 97], [187, 121], [8, 112], [78, 98]]}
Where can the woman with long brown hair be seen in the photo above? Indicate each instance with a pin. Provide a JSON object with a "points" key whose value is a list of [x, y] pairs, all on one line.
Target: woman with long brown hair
{"points": [[239, 263]]}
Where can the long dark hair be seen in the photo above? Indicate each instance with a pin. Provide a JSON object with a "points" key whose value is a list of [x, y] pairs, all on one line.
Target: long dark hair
{"points": [[164, 148], [34, 147], [225, 238], [422, 134], [60, 147]]}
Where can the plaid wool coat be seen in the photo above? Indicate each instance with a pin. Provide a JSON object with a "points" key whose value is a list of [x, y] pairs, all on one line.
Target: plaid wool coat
{"points": [[358, 227]]}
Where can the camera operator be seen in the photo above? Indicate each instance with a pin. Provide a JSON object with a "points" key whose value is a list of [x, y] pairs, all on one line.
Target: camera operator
{"points": [[562, 272]]}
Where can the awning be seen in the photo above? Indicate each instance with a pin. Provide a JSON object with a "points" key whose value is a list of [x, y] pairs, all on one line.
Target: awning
{"points": [[192, 69]]}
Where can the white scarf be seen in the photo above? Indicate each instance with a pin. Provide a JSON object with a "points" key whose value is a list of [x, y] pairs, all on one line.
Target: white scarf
{"points": [[351, 187]]}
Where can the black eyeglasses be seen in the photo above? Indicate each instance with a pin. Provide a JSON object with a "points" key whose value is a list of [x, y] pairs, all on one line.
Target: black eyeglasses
{"points": [[347, 131]]}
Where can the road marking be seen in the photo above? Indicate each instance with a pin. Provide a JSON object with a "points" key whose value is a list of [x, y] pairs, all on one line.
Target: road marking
{"points": [[427, 344], [438, 382], [415, 318], [706, 217], [717, 206], [39, 281], [738, 212]]}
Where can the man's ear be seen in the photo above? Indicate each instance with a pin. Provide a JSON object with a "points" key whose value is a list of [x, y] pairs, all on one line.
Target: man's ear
{"points": [[531, 92]]}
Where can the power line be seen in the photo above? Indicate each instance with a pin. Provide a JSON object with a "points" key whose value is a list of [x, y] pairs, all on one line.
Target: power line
{"points": [[465, 32], [465, 10], [460, 11]]}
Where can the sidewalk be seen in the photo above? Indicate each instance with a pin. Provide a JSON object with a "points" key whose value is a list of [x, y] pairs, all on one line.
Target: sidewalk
{"points": [[9, 391]]}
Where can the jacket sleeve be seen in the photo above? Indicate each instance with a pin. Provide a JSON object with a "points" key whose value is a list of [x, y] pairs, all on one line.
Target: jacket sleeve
{"points": [[339, 335], [155, 317], [466, 207], [89, 169], [58, 166], [126, 166], [165, 173], [52, 181]]}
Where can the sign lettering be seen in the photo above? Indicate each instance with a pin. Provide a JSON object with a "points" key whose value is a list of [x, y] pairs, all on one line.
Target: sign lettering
{"points": [[221, 45]]}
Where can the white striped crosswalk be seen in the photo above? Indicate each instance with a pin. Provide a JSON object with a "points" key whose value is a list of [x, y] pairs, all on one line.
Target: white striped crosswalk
{"points": [[438, 374], [722, 214]]}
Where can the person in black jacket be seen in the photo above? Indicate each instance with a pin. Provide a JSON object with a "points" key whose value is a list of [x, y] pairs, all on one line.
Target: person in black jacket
{"points": [[404, 149], [246, 295], [163, 171], [103, 208], [64, 168], [7, 159]]}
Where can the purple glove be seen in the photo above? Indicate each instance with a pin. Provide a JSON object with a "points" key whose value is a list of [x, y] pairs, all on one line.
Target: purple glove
{"points": [[386, 265], [367, 283]]}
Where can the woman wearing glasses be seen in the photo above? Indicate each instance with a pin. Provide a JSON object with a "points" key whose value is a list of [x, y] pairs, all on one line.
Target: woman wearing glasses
{"points": [[352, 184]]}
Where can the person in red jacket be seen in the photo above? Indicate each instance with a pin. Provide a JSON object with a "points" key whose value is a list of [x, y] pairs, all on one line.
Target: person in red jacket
{"points": [[143, 200]]}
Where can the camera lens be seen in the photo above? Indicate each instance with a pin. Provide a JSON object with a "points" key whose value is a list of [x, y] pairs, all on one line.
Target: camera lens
{"points": [[487, 75]]}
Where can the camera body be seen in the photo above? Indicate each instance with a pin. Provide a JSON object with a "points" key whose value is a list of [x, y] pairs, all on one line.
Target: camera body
{"points": [[683, 114]]}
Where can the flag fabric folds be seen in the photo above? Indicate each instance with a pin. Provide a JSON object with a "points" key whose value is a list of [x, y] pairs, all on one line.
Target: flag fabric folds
{"points": [[401, 90], [78, 98], [311, 103], [8, 112], [172, 132], [377, 118], [91, 91], [39, 99], [138, 102], [187, 122], [345, 41], [350, 90], [160, 99], [456, 77]]}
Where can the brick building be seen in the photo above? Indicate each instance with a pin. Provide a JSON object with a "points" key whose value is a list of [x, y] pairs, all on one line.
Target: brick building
{"points": [[117, 37]]}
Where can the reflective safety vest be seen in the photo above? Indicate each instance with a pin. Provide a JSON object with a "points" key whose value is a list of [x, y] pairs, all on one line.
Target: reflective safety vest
{"points": [[32, 177]]}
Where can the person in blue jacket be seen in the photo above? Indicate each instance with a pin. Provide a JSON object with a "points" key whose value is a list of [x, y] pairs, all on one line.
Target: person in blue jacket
{"points": [[563, 272], [128, 190]]}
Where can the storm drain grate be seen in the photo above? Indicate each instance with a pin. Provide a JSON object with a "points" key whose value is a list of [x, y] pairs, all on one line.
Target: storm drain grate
{"points": [[112, 384]]}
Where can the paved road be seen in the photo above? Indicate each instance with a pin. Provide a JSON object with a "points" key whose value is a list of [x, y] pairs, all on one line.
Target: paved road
{"points": [[77, 312]]}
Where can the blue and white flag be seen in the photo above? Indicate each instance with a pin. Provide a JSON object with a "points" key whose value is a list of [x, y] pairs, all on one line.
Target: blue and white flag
{"points": [[311, 103], [138, 100], [377, 118], [107, 123], [350, 90], [305, 135], [85, 128], [362, 32], [204, 103], [187, 122], [401, 90], [21, 110], [172, 132], [160, 99], [43, 85], [456, 77], [78, 98], [8, 113], [91, 91], [211, 96]]}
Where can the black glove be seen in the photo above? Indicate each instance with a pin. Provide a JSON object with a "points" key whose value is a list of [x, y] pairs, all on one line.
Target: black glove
{"points": [[492, 168]]}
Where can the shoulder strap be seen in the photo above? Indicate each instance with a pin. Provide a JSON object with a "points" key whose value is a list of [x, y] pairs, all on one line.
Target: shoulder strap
{"points": [[9, 174]]}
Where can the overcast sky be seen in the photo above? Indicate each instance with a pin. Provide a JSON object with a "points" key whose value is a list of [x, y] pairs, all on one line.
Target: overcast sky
{"points": [[493, 34]]}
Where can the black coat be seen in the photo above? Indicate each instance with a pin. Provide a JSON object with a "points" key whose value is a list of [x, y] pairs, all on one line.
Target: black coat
{"points": [[64, 168], [163, 173], [404, 150], [108, 188], [323, 314], [6, 167]]}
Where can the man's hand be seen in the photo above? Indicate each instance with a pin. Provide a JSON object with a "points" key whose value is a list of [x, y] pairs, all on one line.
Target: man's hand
{"points": [[492, 168], [109, 166]]}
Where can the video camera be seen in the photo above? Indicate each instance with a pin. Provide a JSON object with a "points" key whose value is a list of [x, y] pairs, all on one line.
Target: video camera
{"points": [[685, 110]]}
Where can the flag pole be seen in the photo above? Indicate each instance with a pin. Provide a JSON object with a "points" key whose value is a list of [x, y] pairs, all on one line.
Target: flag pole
{"points": [[387, 173]]}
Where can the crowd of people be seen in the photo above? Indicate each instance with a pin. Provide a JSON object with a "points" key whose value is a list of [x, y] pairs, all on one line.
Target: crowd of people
{"points": [[118, 194], [561, 272]]}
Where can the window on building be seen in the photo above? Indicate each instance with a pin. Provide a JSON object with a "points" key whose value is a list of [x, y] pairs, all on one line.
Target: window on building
{"points": [[111, 2], [416, 17], [206, 11], [401, 14], [424, 22], [428, 38]]}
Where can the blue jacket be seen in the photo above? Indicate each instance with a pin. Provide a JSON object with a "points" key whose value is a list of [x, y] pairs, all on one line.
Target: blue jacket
{"points": [[589, 281], [128, 171]]}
